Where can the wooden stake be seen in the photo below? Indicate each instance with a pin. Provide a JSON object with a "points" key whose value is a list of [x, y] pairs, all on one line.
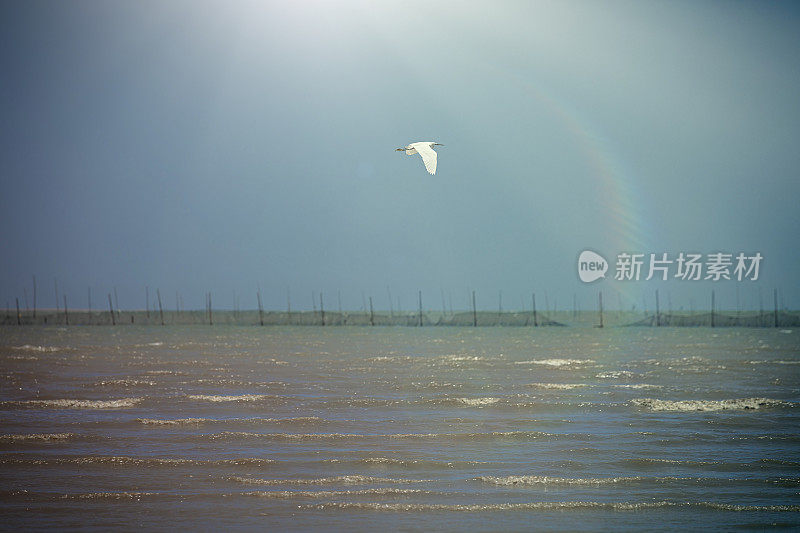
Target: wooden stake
{"points": [[371, 313], [474, 312], [260, 308], [600, 305], [160, 310], [321, 309], [19, 317], [66, 311], [712, 308], [34, 297], [111, 310], [55, 282], [420, 308], [533, 302], [147, 301], [500, 302]]}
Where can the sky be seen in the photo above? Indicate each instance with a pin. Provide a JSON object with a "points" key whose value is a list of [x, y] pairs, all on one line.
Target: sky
{"points": [[196, 146]]}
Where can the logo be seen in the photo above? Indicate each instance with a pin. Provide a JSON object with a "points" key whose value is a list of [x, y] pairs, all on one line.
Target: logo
{"points": [[591, 266]]}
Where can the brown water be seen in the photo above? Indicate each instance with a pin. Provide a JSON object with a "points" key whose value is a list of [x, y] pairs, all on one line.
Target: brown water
{"points": [[364, 428]]}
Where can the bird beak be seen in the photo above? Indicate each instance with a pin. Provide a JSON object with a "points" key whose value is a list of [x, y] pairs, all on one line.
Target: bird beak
{"points": [[437, 144], [399, 149]]}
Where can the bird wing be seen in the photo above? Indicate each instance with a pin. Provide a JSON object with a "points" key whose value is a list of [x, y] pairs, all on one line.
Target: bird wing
{"points": [[428, 156]]}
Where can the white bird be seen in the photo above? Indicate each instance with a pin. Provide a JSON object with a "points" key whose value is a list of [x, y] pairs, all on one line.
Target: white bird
{"points": [[425, 150]]}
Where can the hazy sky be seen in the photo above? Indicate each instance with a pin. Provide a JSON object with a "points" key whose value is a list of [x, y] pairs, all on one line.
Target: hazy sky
{"points": [[217, 146]]}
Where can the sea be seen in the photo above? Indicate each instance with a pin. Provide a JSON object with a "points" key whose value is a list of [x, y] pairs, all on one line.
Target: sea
{"points": [[399, 428]]}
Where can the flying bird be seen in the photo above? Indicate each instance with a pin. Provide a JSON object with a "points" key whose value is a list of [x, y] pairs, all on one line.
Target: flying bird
{"points": [[425, 150]]}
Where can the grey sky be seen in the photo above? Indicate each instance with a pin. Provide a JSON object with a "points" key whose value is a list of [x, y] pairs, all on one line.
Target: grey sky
{"points": [[198, 146]]}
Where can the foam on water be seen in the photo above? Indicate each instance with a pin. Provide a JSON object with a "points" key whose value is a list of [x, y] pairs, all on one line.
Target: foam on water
{"points": [[353, 479], [554, 506], [556, 362], [137, 461], [707, 405], [37, 437], [123, 382], [558, 386], [520, 435], [290, 494], [226, 398], [208, 421], [548, 480], [69, 403], [478, 401], [36, 348], [615, 374]]}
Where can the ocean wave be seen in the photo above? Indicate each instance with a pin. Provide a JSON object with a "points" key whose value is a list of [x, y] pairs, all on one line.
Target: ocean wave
{"points": [[525, 435], [547, 480], [558, 386], [707, 481], [774, 362], [615, 374], [554, 506], [122, 382], [354, 479], [457, 358], [672, 462], [40, 349], [108, 496], [428, 463], [237, 398], [556, 362], [707, 405], [477, 401], [201, 421], [289, 494], [37, 437], [136, 461], [68, 403], [385, 461], [389, 358], [176, 422], [435, 385], [637, 386]]}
